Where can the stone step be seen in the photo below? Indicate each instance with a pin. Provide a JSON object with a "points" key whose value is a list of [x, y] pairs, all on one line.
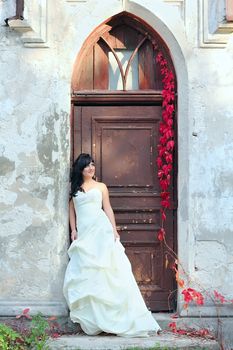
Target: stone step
{"points": [[164, 341]]}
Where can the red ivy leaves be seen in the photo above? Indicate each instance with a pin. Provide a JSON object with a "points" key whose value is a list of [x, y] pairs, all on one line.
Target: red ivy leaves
{"points": [[169, 158], [203, 332], [163, 215], [24, 313], [168, 95], [166, 141], [170, 145], [165, 195], [191, 294], [219, 297], [159, 162], [164, 163], [161, 234], [164, 184], [172, 326]]}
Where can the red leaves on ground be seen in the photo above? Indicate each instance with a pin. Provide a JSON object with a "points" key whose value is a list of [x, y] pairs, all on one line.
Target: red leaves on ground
{"points": [[202, 333], [55, 335], [24, 313], [52, 318], [172, 325], [54, 327]]}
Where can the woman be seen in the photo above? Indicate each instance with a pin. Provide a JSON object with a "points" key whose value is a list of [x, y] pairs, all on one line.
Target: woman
{"points": [[99, 286]]}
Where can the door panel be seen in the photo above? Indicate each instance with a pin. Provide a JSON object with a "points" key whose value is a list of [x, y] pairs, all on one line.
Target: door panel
{"points": [[123, 141]]}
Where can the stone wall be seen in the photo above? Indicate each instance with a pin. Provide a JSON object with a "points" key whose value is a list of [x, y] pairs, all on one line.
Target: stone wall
{"points": [[36, 63]]}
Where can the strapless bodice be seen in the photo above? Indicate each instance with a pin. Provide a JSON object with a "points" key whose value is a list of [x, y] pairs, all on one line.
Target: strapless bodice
{"points": [[91, 197], [88, 206]]}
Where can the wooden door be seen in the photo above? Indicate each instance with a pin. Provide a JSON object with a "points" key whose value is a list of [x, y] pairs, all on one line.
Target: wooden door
{"points": [[123, 141]]}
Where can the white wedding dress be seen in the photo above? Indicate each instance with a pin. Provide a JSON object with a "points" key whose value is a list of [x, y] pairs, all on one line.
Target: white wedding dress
{"points": [[99, 286]]}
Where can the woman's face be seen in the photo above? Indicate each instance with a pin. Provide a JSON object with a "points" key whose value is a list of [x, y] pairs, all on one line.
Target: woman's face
{"points": [[89, 170]]}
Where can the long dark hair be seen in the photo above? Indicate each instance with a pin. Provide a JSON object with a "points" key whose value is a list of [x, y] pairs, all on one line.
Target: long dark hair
{"points": [[76, 178]]}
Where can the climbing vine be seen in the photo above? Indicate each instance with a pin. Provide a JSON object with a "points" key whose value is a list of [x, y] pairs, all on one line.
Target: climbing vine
{"points": [[166, 140], [165, 166]]}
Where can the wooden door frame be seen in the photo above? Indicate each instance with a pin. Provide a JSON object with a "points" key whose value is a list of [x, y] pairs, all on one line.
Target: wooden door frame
{"points": [[106, 97]]}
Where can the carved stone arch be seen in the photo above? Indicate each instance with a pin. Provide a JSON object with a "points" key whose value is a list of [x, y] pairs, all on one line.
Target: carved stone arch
{"points": [[122, 31]]}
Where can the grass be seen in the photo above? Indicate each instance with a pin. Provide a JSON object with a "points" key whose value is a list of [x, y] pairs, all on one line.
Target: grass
{"points": [[34, 337]]}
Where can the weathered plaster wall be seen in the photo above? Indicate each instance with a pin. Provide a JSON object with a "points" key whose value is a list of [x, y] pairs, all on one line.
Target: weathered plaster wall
{"points": [[34, 149], [34, 174], [211, 169]]}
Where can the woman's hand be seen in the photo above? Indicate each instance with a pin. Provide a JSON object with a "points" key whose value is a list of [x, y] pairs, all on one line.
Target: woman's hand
{"points": [[73, 221], [116, 235], [74, 235], [108, 210]]}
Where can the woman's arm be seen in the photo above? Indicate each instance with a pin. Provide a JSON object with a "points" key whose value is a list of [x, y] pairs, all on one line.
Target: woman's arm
{"points": [[72, 217], [108, 210]]}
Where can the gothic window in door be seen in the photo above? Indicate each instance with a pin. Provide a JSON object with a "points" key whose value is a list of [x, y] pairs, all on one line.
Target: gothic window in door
{"points": [[121, 56]]}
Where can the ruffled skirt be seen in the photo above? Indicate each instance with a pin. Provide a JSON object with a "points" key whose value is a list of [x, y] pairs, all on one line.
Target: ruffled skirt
{"points": [[100, 288]]}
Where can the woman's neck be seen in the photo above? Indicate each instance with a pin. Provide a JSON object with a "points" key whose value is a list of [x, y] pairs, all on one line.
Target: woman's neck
{"points": [[88, 181]]}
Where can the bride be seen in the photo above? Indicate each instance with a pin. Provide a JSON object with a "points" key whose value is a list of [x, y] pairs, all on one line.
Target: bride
{"points": [[99, 286]]}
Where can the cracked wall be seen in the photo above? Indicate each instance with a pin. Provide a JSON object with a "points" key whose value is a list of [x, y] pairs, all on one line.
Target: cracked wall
{"points": [[34, 150]]}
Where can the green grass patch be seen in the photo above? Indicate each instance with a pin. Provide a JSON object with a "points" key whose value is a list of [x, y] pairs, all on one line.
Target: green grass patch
{"points": [[35, 337]]}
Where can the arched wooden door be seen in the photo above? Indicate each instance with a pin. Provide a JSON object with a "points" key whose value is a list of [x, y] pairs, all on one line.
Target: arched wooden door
{"points": [[116, 104]]}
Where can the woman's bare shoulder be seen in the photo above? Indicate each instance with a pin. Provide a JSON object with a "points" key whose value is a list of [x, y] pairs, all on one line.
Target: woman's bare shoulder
{"points": [[101, 186]]}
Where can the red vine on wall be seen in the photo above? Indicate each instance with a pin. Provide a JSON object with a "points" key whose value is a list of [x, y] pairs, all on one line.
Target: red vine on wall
{"points": [[166, 141], [165, 166]]}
